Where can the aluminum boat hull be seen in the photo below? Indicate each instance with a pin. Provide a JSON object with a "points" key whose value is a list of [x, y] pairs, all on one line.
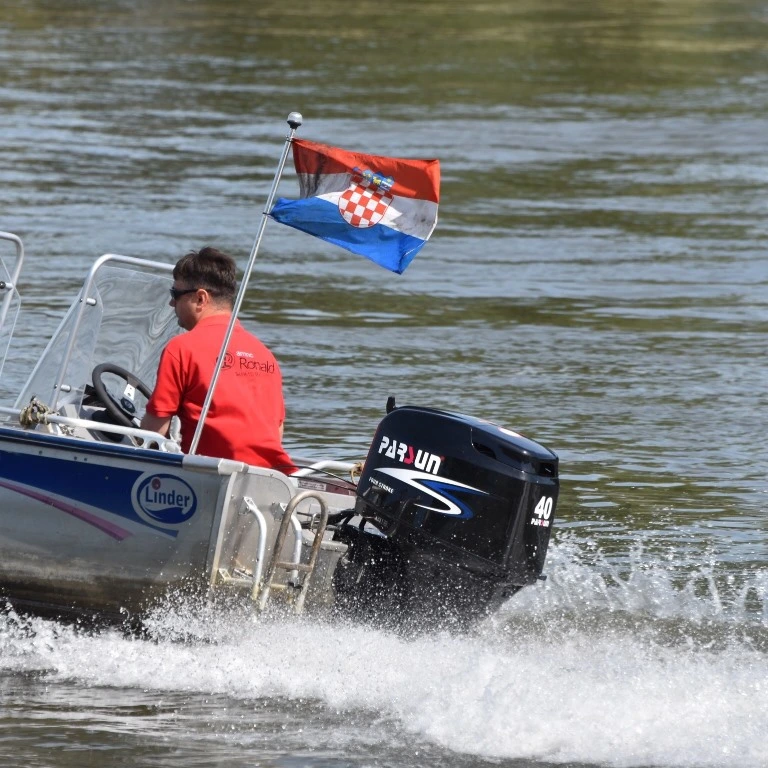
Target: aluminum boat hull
{"points": [[110, 530]]}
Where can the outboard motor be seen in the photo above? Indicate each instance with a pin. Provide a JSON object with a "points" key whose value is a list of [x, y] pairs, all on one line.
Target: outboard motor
{"points": [[457, 513]]}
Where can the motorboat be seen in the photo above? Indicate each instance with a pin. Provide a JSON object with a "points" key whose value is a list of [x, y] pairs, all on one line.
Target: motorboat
{"points": [[447, 516]]}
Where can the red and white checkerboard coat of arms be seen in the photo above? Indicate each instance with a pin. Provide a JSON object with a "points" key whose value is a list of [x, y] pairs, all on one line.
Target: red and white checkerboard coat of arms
{"points": [[367, 199]]}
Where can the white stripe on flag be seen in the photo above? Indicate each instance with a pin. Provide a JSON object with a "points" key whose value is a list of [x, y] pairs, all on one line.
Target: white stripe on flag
{"points": [[411, 217]]}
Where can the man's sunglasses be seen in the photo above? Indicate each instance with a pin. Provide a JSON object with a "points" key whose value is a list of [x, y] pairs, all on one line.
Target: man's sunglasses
{"points": [[177, 293]]}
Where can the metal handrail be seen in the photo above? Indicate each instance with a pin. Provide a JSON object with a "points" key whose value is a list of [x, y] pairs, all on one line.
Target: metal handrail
{"points": [[258, 566], [326, 464], [307, 568], [148, 437], [14, 275]]}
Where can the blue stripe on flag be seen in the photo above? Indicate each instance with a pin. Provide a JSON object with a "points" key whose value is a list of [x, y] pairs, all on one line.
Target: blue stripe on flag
{"points": [[387, 247]]}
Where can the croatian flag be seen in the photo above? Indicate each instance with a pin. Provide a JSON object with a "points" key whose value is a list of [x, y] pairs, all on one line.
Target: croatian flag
{"points": [[383, 208]]}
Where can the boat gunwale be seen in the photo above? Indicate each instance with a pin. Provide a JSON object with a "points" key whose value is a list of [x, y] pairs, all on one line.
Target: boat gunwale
{"points": [[79, 445]]}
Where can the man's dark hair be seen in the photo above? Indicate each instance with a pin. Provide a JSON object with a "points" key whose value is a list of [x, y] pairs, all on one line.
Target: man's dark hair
{"points": [[211, 269]]}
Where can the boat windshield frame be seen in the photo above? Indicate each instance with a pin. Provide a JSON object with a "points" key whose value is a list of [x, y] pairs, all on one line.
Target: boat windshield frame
{"points": [[121, 313], [10, 300]]}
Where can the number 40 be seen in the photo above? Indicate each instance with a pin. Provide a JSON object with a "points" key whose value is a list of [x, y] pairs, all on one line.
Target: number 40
{"points": [[544, 508]]}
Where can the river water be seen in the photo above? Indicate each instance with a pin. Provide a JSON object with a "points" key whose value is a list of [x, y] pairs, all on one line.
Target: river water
{"points": [[597, 281]]}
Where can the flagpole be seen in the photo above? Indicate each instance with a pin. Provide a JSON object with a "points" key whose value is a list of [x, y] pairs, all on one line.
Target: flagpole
{"points": [[294, 121]]}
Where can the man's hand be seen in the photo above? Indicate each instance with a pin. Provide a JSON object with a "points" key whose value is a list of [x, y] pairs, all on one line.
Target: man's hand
{"points": [[156, 423]]}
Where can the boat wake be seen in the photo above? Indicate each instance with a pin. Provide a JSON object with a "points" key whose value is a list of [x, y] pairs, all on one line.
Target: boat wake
{"points": [[598, 666]]}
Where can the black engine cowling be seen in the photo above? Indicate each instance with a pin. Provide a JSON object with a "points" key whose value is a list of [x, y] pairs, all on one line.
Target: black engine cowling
{"points": [[459, 515]]}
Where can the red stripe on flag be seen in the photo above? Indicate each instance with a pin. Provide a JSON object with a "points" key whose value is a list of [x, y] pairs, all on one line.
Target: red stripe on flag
{"points": [[417, 179]]}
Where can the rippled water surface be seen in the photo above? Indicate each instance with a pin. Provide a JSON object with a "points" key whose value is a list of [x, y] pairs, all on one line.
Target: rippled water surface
{"points": [[597, 280]]}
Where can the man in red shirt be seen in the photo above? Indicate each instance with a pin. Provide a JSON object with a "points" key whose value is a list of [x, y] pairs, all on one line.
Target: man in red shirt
{"points": [[247, 412]]}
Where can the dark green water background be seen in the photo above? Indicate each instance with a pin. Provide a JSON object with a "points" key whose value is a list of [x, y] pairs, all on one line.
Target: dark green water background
{"points": [[598, 280]]}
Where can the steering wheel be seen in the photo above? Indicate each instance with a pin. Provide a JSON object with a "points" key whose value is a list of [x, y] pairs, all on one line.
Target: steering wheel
{"points": [[123, 410]]}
